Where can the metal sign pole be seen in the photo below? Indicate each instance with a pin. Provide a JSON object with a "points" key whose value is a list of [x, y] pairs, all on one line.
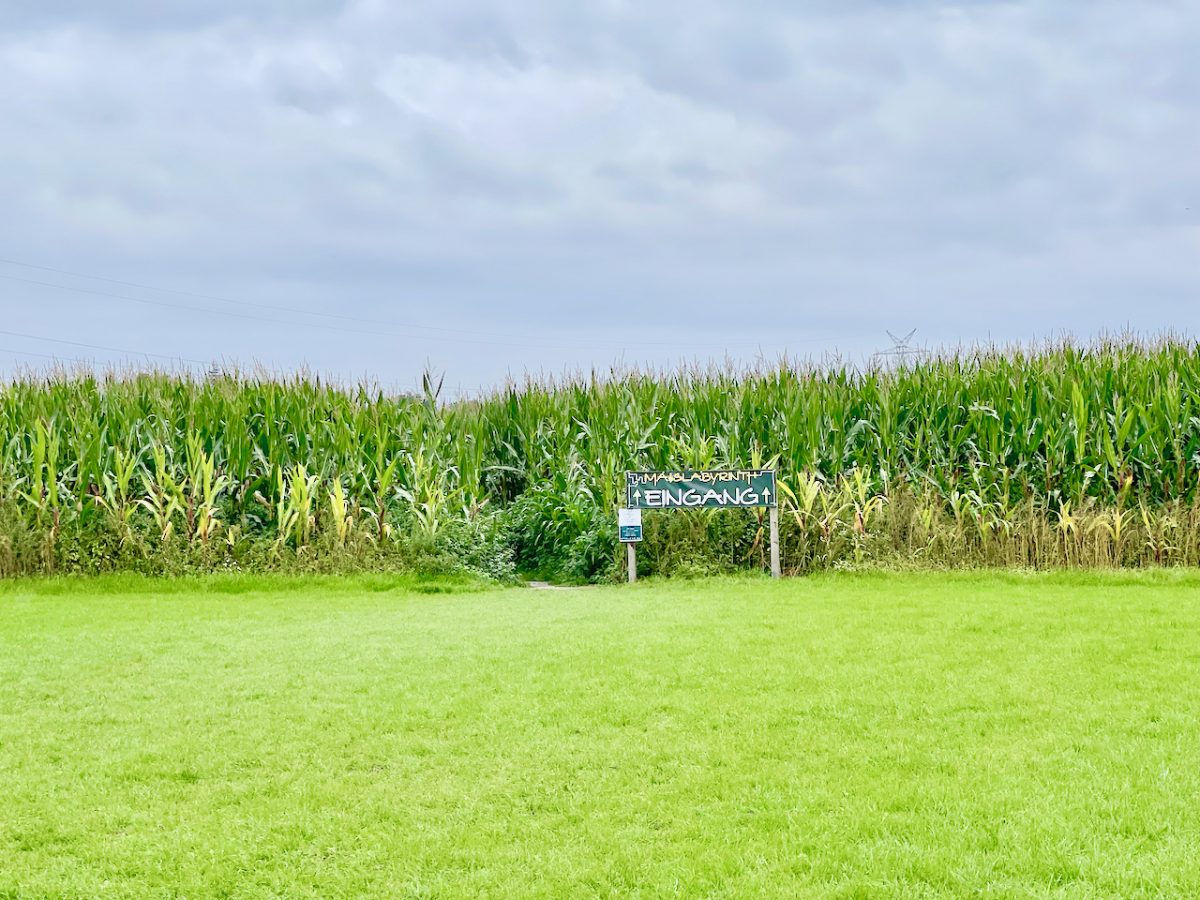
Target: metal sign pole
{"points": [[631, 558], [775, 569]]}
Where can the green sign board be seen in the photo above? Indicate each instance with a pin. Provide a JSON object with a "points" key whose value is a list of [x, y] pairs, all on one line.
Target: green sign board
{"points": [[701, 490]]}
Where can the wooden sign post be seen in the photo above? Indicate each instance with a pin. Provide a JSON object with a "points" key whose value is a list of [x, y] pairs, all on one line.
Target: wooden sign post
{"points": [[773, 513], [629, 530]]}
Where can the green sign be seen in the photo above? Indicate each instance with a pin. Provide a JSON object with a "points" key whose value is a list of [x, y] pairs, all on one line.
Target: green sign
{"points": [[701, 490]]}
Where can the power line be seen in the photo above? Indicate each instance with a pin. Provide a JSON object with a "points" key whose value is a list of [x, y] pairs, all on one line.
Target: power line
{"points": [[202, 296], [452, 334], [209, 310], [165, 290], [74, 359], [36, 337]]}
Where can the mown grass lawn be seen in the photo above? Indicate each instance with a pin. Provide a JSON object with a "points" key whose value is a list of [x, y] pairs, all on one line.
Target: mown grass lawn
{"points": [[848, 735]]}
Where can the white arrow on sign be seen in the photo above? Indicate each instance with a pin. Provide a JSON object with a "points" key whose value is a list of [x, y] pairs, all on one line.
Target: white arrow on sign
{"points": [[767, 495]]}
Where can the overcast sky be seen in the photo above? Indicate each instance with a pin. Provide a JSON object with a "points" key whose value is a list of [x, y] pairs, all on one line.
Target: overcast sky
{"points": [[492, 188]]}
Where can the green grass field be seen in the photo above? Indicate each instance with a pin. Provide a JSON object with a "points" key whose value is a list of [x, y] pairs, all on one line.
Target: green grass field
{"points": [[847, 735]]}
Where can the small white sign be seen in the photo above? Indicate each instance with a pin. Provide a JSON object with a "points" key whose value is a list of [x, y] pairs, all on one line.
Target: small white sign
{"points": [[629, 525]]}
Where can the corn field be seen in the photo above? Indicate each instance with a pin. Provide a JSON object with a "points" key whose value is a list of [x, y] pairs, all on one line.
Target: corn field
{"points": [[1058, 456]]}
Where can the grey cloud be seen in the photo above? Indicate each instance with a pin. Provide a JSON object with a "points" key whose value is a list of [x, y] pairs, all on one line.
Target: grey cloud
{"points": [[757, 58], [456, 170], [307, 88], [971, 169], [154, 15]]}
